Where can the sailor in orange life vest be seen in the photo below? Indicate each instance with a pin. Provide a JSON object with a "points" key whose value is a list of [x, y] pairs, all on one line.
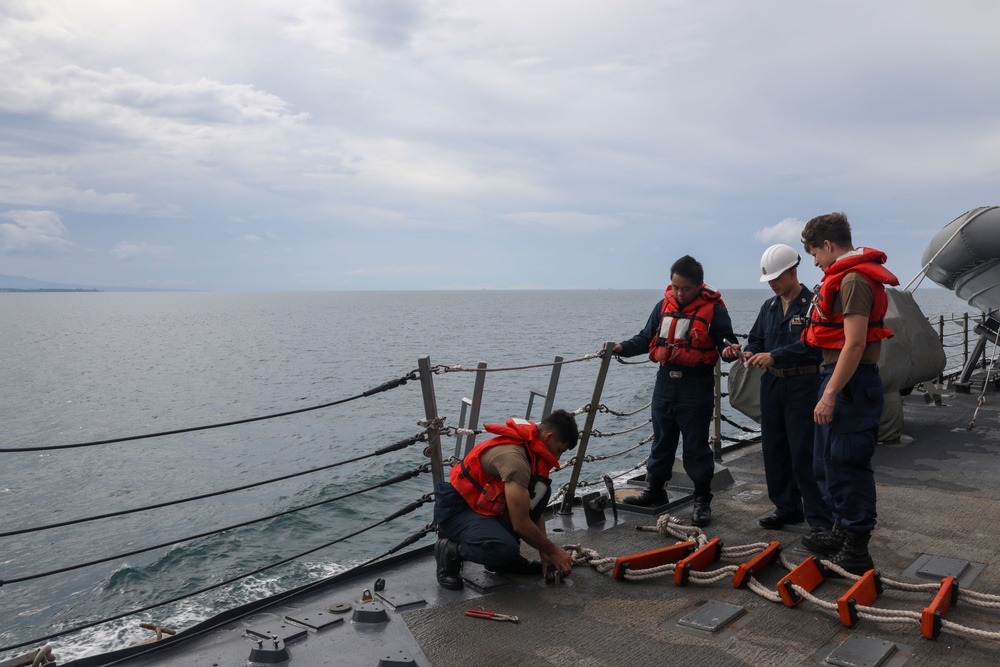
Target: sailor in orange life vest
{"points": [[846, 322], [684, 335], [497, 496]]}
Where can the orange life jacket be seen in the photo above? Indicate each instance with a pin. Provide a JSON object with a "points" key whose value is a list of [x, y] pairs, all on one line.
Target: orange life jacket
{"points": [[825, 328], [485, 492], [683, 336]]}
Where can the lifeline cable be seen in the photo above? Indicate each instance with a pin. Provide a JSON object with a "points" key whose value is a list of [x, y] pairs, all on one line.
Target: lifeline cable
{"points": [[391, 384], [402, 477], [982, 396], [604, 408], [458, 368], [409, 508], [422, 437]]}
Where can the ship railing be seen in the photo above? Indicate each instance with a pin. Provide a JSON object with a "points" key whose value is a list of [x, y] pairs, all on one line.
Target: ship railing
{"points": [[965, 340], [432, 429], [13, 575], [471, 407]]}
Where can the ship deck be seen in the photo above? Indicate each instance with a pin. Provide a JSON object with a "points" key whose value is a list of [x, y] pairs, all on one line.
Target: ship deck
{"points": [[937, 497]]}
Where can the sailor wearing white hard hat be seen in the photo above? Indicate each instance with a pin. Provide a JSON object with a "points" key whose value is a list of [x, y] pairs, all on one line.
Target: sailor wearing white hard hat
{"points": [[787, 394]]}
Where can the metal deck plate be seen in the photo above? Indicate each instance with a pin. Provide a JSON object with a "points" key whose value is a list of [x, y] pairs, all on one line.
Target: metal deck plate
{"points": [[712, 616], [861, 651], [935, 568], [482, 581], [940, 567], [283, 631], [398, 659], [316, 621], [400, 599]]}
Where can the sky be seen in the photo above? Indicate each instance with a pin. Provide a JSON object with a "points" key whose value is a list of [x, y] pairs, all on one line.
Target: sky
{"points": [[461, 144]]}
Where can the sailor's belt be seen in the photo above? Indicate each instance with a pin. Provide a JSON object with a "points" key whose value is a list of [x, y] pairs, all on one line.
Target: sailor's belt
{"points": [[792, 372]]}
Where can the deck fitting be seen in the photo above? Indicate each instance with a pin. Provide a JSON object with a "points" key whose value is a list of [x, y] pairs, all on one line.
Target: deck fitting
{"points": [[861, 651], [712, 616], [483, 581], [399, 659], [935, 568], [370, 612]]}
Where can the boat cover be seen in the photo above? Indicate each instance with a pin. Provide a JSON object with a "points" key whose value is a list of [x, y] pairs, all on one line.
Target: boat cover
{"points": [[965, 257], [913, 355]]}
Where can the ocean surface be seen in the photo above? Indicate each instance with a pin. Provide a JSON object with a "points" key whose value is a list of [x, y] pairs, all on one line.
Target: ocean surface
{"points": [[82, 367]]}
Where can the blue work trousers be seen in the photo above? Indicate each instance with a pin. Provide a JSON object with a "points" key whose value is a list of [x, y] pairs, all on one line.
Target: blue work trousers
{"points": [[682, 409], [844, 448], [787, 440], [481, 539]]}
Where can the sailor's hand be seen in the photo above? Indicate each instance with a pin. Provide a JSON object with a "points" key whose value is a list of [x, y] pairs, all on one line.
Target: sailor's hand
{"points": [[823, 412], [559, 559], [615, 350], [760, 360]]}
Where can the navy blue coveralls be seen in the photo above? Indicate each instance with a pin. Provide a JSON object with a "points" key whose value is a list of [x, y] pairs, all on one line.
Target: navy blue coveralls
{"points": [[682, 405], [788, 393]]}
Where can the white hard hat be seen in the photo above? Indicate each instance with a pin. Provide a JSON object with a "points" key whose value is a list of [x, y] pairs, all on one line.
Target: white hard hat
{"points": [[776, 260]]}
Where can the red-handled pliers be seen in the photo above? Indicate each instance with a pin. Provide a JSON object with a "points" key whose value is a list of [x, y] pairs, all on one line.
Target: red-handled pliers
{"points": [[490, 615]]}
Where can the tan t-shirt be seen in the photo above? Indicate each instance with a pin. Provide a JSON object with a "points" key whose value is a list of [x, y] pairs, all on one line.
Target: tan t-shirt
{"points": [[508, 462], [855, 297]]}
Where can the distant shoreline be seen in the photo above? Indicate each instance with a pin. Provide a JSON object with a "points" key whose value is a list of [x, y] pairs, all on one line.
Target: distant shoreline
{"points": [[45, 289]]}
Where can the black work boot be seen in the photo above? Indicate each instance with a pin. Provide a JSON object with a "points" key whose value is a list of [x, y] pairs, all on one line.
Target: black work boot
{"points": [[854, 556], [825, 542], [701, 515], [651, 497], [449, 564]]}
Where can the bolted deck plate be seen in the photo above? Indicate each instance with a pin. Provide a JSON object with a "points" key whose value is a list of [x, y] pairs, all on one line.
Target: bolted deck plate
{"points": [[316, 621], [483, 581], [861, 651], [285, 632], [400, 599], [935, 568], [712, 616]]}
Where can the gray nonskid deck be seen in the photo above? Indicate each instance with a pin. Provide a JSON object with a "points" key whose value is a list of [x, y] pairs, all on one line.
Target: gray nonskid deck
{"points": [[936, 496]]}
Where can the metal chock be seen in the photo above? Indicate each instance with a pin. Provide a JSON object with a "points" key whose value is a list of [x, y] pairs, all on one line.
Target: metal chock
{"points": [[930, 619], [593, 507], [864, 592], [757, 564], [808, 575], [648, 559], [611, 496], [697, 561]]}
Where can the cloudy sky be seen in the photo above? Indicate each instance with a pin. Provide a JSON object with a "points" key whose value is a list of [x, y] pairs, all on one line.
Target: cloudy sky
{"points": [[429, 144]]}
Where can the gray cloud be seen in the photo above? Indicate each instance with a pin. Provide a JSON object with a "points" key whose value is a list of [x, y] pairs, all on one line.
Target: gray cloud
{"points": [[33, 232], [402, 127]]}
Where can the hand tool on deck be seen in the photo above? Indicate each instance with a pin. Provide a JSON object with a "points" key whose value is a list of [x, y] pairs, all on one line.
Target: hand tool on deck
{"points": [[490, 615]]}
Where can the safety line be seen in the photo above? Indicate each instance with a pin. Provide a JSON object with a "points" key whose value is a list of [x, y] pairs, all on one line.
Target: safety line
{"points": [[398, 478], [384, 450], [392, 384], [413, 506]]}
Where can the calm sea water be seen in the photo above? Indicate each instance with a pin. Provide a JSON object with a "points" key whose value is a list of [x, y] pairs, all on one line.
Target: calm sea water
{"points": [[80, 367]]}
